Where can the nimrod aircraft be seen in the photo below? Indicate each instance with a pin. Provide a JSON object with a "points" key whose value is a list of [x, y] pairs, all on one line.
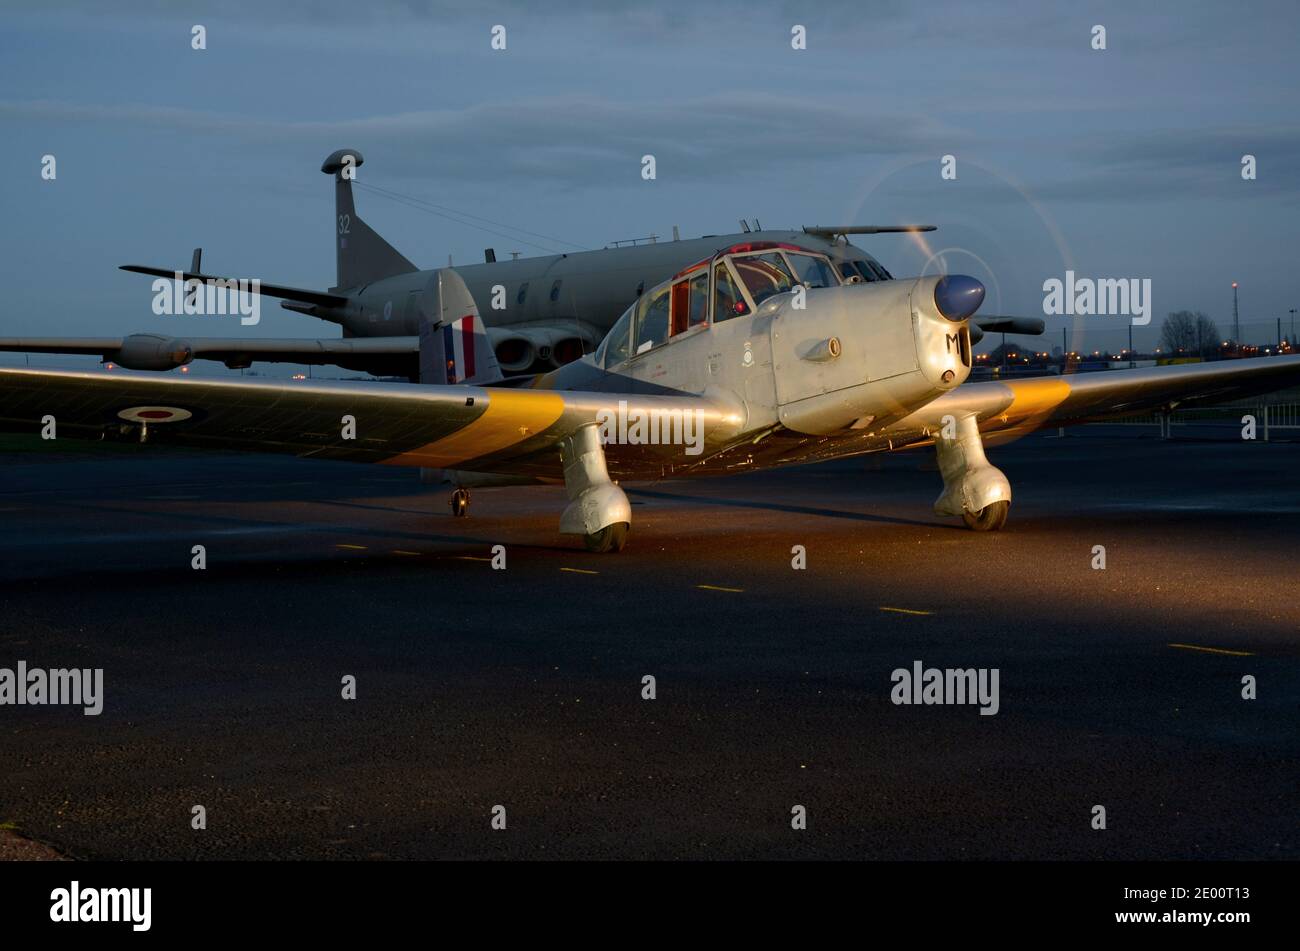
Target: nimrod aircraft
{"points": [[759, 355], [541, 312]]}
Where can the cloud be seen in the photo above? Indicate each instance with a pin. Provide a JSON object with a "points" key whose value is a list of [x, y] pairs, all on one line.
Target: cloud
{"points": [[566, 139]]}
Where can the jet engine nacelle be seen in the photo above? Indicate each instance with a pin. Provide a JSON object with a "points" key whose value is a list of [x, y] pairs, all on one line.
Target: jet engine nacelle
{"points": [[518, 348], [153, 352]]}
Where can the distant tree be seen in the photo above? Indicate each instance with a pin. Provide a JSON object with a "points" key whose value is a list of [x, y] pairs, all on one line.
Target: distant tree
{"points": [[1191, 332]]}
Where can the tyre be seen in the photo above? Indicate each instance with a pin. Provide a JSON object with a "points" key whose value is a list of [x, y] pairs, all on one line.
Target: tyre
{"points": [[988, 519], [610, 538]]}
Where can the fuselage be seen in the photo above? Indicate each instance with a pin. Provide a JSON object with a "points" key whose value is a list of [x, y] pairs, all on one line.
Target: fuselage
{"points": [[544, 312]]}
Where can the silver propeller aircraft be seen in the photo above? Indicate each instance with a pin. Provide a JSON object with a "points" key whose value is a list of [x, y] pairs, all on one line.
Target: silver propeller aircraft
{"points": [[756, 356], [553, 309]]}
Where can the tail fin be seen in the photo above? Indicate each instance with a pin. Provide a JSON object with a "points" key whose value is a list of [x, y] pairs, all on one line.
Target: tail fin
{"points": [[454, 345], [363, 256]]}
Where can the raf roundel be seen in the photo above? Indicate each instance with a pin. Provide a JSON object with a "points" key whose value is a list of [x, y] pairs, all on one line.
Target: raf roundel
{"points": [[154, 414]]}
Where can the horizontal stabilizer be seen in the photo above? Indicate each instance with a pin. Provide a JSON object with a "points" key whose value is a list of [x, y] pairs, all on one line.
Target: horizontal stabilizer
{"points": [[302, 294]]}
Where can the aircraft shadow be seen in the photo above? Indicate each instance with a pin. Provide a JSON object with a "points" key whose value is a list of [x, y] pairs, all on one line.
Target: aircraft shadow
{"points": [[785, 507]]}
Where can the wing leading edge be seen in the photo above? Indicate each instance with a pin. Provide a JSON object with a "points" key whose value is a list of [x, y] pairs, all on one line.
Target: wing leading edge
{"points": [[482, 429], [1014, 407]]}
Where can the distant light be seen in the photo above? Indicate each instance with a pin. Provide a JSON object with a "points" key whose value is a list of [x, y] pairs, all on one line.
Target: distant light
{"points": [[1234, 285], [185, 369], [108, 366]]}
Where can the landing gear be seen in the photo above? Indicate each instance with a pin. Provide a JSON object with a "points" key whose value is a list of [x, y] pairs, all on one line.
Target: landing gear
{"points": [[598, 509], [610, 538], [973, 488], [460, 503], [988, 519]]}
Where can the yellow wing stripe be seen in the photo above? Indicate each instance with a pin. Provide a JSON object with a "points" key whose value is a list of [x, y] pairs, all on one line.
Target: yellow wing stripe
{"points": [[511, 417], [1035, 399]]}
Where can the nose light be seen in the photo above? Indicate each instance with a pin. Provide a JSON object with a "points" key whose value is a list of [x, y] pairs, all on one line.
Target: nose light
{"points": [[958, 296]]}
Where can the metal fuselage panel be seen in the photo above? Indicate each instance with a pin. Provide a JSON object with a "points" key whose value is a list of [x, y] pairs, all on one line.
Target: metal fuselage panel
{"points": [[783, 408]]}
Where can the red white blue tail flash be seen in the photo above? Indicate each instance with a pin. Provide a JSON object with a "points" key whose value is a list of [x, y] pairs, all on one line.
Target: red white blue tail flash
{"points": [[454, 345], [458, 345]]}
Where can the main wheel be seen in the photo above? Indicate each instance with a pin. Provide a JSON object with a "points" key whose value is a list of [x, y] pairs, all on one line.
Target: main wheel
{"points": [[988, 519], [460, 503], [610, 538]]}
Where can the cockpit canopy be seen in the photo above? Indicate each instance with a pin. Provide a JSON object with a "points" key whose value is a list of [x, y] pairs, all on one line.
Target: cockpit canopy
{"points": [[732, 283]]}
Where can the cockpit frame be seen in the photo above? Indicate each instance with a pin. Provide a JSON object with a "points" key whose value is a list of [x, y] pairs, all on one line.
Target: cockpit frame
{"points": [[671, 307]]}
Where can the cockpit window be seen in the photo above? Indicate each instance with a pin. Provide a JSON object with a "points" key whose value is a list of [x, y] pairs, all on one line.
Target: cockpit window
{"points": [[871, 271], [615, 348], [700, 298], [728, 302], [764, 275], [652, 320], [811, 270]]}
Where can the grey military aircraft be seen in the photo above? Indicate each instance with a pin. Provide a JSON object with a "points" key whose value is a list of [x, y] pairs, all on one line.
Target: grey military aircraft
{"points": [[757, 355], [542, 313]]}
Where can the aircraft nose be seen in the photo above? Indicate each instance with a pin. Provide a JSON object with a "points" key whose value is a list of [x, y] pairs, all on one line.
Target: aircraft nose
{"points": [[958, 296]]}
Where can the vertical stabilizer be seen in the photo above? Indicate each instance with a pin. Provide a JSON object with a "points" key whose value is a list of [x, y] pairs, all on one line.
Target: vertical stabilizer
{"points": [[454, 345], [363, 256]]}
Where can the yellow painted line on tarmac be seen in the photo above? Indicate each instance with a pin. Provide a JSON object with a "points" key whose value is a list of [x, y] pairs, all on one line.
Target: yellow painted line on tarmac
{"points": [[353, 547], [905, 611], [469, 558], [1212, 650], [581, 571], [398, 551], [714, 587]]}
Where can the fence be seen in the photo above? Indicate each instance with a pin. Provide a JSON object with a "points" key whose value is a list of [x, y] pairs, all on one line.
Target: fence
{"points": [[1268, 417]]}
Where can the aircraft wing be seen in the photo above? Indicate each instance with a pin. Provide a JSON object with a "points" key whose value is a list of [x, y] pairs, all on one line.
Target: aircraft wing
{"points": [[481, 429], [157, 352], [1010, 408]]}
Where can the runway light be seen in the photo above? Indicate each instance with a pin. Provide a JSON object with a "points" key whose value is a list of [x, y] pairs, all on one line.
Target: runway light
{"points": [[108, 366]]}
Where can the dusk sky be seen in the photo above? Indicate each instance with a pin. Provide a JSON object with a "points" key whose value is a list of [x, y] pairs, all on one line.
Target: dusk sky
{"points": [[1119, 163]]}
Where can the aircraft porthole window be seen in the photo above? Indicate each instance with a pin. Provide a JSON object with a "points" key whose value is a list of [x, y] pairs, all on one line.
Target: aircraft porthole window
{"points": [[555, 291], [523, 292]]}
